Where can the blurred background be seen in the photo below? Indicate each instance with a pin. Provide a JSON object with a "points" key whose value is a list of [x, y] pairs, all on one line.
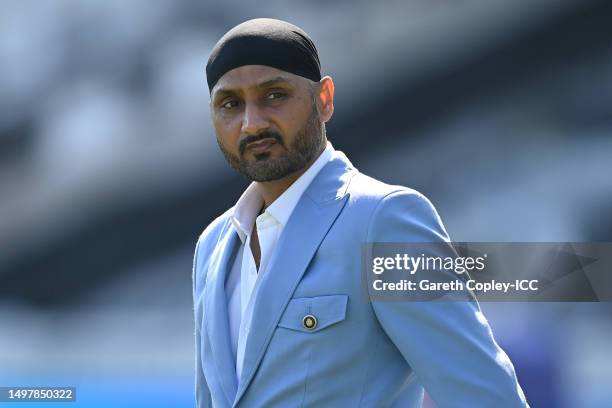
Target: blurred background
{"points": [[109, 169]]}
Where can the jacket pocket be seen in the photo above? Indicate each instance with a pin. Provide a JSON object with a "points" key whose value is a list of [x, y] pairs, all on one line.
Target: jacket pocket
{"points": [[326, 310]]}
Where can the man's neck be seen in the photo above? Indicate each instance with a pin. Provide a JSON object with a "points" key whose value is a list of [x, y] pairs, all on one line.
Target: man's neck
{"points": [[271, 190]]}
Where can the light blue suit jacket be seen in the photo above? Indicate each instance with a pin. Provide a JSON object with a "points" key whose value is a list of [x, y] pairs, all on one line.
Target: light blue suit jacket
{"points": [[361, 354]]}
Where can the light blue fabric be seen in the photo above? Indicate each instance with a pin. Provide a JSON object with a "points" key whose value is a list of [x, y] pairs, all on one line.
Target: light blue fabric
{"points": [[362, 353]]}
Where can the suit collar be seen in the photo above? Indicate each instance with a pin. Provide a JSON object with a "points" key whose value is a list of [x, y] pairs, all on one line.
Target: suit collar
{"points": [[332, 181]]}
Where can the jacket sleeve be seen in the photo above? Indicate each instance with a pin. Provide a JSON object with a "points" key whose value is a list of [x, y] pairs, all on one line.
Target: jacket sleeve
{"points": [[202, 392], [448, 344]]}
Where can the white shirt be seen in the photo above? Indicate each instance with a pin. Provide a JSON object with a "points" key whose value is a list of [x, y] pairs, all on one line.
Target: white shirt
{"points": [[243, 279]]}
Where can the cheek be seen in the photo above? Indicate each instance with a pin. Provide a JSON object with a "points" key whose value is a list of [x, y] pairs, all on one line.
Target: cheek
{"points": [[227, 132], [293, 118]]}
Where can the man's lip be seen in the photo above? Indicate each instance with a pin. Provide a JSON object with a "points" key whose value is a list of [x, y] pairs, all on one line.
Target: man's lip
{"points": [[261, 146]]}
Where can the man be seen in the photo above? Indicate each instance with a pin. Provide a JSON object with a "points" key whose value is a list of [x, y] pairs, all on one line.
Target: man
{"points": [[280, 319]]}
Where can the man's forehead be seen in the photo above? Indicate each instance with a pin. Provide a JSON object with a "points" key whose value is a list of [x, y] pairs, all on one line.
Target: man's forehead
{"points": [[253, 76]]}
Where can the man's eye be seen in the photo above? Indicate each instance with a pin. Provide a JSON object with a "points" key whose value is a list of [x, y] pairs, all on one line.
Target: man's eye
{"points": [[229, 104], [275, 95]]}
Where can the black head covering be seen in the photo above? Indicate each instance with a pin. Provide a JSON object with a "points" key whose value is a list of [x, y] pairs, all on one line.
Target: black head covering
{"points": [[264, 41]]}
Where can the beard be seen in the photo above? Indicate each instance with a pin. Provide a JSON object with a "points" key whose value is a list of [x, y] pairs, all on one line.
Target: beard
{"points": [[309, 141]]}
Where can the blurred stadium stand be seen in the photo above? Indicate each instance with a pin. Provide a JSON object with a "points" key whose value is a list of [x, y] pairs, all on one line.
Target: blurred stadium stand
{"points": [[109, 169]]}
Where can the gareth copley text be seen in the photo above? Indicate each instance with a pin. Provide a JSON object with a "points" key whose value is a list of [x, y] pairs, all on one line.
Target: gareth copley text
{"points": [[457, 285]]}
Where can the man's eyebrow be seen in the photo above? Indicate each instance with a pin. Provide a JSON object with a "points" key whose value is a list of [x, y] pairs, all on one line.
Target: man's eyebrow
{"points": [[273, 81], [265, 84], [221, 92]]}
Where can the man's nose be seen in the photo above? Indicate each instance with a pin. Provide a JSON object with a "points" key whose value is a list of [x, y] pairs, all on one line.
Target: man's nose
{"points": [[254, 121]]}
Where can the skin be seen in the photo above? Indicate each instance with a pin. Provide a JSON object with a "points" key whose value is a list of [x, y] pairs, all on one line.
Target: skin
{"points": [[284, 113]]}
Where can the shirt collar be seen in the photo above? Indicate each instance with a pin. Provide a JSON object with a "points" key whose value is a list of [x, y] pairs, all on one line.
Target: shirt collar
{"points": [[246, 210], [250, 202]]}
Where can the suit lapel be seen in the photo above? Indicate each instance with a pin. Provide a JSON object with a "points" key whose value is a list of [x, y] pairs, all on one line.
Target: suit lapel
{"points": [[216, 316], [310, 221]]}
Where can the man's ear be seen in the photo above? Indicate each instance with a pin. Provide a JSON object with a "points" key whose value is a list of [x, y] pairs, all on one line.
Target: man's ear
{"points": [[325, 98]]}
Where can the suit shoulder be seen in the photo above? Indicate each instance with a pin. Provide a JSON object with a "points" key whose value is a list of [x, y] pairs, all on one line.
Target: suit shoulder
{"points": [[397, 212], [366, 188], [386, 210], [205, 245]]}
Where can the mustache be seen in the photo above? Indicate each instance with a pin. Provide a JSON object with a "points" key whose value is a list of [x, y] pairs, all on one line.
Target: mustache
{"points": [[255, 138]]}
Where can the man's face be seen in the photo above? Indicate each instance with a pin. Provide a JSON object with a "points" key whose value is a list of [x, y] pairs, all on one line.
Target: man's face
{"points": [[266, 121]]}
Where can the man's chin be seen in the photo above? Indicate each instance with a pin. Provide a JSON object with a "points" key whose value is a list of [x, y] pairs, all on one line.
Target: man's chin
{"points": [[267, 170]]}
